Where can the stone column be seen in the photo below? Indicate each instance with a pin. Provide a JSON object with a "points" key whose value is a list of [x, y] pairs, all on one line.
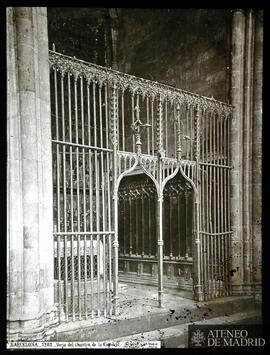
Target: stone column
{"points": [[114, 17], [246, 95], [247, 147], [14, 178], [30, 208], [237, 77], [257, 148]]}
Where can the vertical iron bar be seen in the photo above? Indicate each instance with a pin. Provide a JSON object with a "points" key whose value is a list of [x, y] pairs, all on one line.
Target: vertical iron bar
{"points": [[142, 229], [215, 204], [206, 266], [222, 133], [208, 236], [155, 168], [100, 118], [170, 225], [78, 198], [206, 197], [124, 225], [123, 120], [58, 196], [57, 153], [211, 267], [166, 128], [102, 196], [191, 135], [132, 110], [207, 173], [71, 202], [92, 275], [210, 180], [85, 277], [98, 236], [97, 172], [224, 176], [189, 130], [109, 236], [179, 223], [106, 118], [152, 123], [174, 129], [64, 195], [72, 277], [149, 224], [226, 273], [59, 275], [160, 242], [66, 276], [137, 226], [108, 160], [202, 220], [159, 217], [198, 245], [218, 205], [186, 221], [114, 118], [211, 204], [125, 163], [130, 225], [223, 265], [202, 172], [84, 199], [90, 205], [186, 129], [147, 121], [104, 276], [228, 197]]}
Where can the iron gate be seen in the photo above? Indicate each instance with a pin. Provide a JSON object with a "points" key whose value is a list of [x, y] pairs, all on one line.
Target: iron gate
{"points": [[137, 232], [105, 126]]}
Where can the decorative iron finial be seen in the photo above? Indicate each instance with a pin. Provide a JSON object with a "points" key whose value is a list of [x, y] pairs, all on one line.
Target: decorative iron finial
{"points": [[136, 128], [179, 148], [180, 135]]}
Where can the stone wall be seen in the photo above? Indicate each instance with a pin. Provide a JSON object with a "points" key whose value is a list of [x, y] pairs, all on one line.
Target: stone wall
{"points": [[186, 48], [79, 32], [181, 47]]}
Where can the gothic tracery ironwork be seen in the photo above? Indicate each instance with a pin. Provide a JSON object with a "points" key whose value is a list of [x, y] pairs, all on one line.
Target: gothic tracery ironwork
{"points": [[108, 126]]}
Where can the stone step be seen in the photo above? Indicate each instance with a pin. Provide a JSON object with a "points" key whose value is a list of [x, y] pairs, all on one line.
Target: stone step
{"points": [[177, 335], [136, 321]]}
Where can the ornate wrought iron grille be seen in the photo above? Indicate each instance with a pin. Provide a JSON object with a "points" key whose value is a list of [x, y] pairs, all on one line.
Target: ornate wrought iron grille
{"points": [[137, 232], [107, 125]]}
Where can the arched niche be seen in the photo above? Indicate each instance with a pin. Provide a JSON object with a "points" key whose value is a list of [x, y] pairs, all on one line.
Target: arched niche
{"points": [[137, 199]]}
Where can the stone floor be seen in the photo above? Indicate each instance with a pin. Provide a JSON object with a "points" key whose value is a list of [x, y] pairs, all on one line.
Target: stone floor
{"points": [[139, 316], [144, 299]]}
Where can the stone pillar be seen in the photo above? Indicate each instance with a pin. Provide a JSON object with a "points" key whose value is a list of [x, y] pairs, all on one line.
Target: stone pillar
{"points": [[246, 96], [30, 208], [237, 77], [257, 148], [247, 147], [114, 17]]}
